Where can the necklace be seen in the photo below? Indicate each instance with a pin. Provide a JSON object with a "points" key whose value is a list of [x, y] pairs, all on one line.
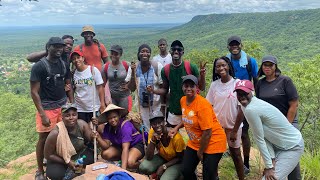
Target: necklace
{"points": [[176, 65]]}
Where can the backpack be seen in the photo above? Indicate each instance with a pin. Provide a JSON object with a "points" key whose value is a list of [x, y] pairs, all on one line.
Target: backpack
{"points": [[124, 63], [46, 64], [187, 67], [135, 119], [249, 70]]}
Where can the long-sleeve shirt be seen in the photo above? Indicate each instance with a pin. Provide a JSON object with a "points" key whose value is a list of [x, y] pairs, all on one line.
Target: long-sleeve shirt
{"points": [[270, 129]]}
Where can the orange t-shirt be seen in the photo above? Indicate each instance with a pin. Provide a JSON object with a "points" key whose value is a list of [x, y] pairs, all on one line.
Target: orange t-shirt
{"points": [[199, 116], [92, 54]]}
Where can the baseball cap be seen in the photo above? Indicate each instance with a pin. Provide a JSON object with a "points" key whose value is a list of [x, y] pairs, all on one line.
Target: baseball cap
{"points": [[87, 28], [116, 48], [269, 58], [244, 85], [176, 43], [190, 77], [68, 106], [156, 115], [55, 40], [234, 38], [75, 52]]}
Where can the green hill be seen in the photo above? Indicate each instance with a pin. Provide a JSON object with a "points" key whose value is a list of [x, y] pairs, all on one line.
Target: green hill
{"points": [[289, 35]]}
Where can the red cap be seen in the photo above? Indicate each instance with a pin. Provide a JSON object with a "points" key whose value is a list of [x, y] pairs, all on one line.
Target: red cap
{"points": [[77, 52], [244, 85]]}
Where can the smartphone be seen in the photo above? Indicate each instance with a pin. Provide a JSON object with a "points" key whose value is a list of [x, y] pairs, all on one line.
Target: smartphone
{"points": [[99, 166]]}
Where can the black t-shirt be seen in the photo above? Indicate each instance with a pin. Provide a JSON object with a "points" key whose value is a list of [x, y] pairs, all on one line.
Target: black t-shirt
{"points": [[278, 93], [52, 93]]}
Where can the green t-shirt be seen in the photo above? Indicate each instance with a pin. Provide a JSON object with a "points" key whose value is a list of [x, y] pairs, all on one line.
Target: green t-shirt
{"points": [[175, 85]]}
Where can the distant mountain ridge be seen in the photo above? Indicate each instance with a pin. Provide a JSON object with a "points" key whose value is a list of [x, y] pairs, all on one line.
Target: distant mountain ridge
{"points": [[286, 34]]}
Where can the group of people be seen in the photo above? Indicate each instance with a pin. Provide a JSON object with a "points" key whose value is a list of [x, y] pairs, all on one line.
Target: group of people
{"points": [[76, 91]]}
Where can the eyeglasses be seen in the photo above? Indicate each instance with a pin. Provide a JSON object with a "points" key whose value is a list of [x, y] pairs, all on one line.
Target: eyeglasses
{"points": [[115, 73], [179, 49]]}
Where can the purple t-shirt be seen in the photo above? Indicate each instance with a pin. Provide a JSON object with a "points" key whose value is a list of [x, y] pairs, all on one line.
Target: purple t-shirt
{"points": [[127, 133]]}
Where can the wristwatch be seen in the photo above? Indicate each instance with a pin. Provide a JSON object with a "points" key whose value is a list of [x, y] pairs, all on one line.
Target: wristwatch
{"points": [[164, 166]]}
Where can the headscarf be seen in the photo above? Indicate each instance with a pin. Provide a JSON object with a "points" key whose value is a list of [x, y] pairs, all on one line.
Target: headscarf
{"points": [[141, 47]]}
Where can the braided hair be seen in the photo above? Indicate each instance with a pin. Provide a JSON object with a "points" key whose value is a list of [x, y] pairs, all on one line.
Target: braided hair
{"points": [[216, 76]]}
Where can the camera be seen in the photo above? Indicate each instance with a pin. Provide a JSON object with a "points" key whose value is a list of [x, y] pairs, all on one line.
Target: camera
{"points": [[146, 99]]}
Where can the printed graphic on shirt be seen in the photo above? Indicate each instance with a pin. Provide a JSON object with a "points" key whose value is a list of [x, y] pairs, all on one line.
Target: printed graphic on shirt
{"points": [[87, 81]]}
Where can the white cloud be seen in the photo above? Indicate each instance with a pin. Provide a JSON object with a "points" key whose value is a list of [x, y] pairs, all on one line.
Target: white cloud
{"points": [[45, 12]]}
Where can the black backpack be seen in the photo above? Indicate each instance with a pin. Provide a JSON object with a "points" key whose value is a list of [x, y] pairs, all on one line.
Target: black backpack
{"points": [[46, 64], [249, 70]]}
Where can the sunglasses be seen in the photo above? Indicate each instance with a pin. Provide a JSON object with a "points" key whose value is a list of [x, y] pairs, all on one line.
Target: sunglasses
{"points": [[179, 49], [115, 73]]}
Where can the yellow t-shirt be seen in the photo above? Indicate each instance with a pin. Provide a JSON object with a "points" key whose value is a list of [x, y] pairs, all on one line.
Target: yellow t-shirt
{"points": [[176, 144], [199, 116]]}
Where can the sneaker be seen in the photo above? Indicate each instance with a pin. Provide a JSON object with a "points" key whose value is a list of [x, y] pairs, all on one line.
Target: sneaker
{"points": [[246, 170]]}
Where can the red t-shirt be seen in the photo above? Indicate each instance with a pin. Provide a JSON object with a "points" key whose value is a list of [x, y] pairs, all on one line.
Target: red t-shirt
{"points": [[92, 54]]}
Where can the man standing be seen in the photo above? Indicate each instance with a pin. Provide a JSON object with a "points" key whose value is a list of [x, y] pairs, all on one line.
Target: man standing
{"points": [[93, 51], [47, 81], [172, 78], [163, 57], [246, 68]]}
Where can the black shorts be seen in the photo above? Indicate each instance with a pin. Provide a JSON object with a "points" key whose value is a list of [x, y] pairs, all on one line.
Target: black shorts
{"points": [[140, 147], [245, 127]]}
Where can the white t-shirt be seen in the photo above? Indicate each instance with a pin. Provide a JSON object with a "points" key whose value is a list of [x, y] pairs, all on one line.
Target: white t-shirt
{"points": [[224, 102], [164, 61], [83, 82]]}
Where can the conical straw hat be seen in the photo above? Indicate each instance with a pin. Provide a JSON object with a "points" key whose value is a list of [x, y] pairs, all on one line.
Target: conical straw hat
{"points": [[103, 116]]}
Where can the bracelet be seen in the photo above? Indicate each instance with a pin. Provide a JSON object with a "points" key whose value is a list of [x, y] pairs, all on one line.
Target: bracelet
{"points": [[153, 142]]}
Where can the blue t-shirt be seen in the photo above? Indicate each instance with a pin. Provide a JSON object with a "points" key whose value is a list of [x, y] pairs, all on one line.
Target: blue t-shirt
{"points": [[241, 72]]}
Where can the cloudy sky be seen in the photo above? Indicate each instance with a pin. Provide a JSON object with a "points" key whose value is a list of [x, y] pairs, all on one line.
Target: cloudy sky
{"points": [[53, 12]]}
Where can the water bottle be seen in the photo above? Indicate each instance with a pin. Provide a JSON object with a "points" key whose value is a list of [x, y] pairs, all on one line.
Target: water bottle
{"points": [[70, 173], [79, 164]]}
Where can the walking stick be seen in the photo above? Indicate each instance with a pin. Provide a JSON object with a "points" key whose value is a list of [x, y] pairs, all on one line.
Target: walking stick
{"points": [[139, 111], [93, 127]]}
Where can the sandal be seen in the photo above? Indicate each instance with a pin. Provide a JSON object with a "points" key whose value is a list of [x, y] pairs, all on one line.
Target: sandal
{"points": [[40, 176]]}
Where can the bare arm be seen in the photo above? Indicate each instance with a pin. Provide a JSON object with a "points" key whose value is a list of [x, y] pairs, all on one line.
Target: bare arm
{"points": [[150, 150], [163, 90], [125, 154], [35, 87], [70, 92], [50, 148], [101, 97], [202, 78], [239, 119], [132, 83], [292, 111], [104, 59], [36, 56], [204, 141]]}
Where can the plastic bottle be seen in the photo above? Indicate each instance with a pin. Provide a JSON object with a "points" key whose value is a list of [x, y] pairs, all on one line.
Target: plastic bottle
{"points": [[79, 164], [70, 173]]}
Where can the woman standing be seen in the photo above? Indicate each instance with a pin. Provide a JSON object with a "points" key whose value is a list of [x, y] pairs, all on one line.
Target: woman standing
{"points": [[207, 140], [225, 105], [84, 78], [148, 76], [279, 91], [119, 139], [117, 74]]}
